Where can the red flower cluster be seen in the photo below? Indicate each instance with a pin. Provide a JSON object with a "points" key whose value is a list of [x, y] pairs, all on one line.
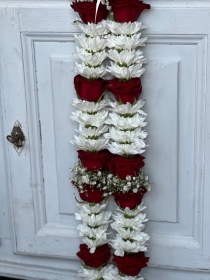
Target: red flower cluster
{"points": [[128, 91], [87, 11], [99, 258], [94, 161], [128, 10], [92, 194], [131, 264], [122, 166], [89, 90], [130, 200]]}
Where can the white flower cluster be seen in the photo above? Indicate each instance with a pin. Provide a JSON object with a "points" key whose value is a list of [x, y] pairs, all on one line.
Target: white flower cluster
{"points": [[93, 53], [114, 274], [95, 274], [127, 60], [105, 273], [95, 224], [129, 225], [91, 116], [126, 135]]}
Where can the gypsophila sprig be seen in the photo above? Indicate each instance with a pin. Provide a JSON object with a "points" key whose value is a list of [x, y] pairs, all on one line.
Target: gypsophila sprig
{"points": [[131, 185], [82, 177]]}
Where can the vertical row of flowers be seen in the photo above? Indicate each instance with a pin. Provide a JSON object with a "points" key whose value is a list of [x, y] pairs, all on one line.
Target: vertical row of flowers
{"points": [[91, 114], [111, 138], [127, 138]]}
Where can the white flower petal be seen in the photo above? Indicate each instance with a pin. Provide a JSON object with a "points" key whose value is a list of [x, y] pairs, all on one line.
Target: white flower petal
{"points": [[93, 274], [133, 71], [126, 123], [92, 29], [90, 144], [126, 28], [126, 57], [90, 72], [127, 108], [125, 149], [89, 107], [92, 45], [127, 246], [90, 59], [123, 42], [94, 220], [92, 132], [86, 119], [125, 136]]}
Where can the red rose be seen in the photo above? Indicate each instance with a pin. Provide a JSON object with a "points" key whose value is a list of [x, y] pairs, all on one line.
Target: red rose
{"points": [[131, 264], [100, 257], [122, 166], [128, 91], [128, 10], [94, 161], [87, 89], [87, 11], [130, 200], [91, 194]]}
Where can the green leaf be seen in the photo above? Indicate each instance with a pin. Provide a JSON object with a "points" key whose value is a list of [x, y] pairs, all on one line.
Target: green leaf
{"points": [[99, 100]]}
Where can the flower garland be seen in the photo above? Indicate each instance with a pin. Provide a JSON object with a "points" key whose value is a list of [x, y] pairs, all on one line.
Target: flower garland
{"points": [[111, 138]]}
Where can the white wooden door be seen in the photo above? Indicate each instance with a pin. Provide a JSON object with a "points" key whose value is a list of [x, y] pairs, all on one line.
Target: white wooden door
{"points": [[37, 88]]}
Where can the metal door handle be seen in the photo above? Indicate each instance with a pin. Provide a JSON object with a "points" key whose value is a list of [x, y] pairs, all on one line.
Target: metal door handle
{"points": [[17, 137]]}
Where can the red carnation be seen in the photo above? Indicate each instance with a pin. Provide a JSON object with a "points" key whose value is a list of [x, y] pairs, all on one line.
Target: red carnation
{"points": [[94, 161], [131, 264], [122, 166], [91, 194], [128, 10], [128, 91], [130, 200], [87, 11], [90, 90], [100, 257]]}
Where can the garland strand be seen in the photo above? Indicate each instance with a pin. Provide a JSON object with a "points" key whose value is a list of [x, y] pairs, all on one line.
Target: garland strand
{"points": [[111, 138]]}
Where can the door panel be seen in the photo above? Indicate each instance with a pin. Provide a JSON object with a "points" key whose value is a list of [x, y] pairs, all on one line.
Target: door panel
{"points": [[39, 48]]}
